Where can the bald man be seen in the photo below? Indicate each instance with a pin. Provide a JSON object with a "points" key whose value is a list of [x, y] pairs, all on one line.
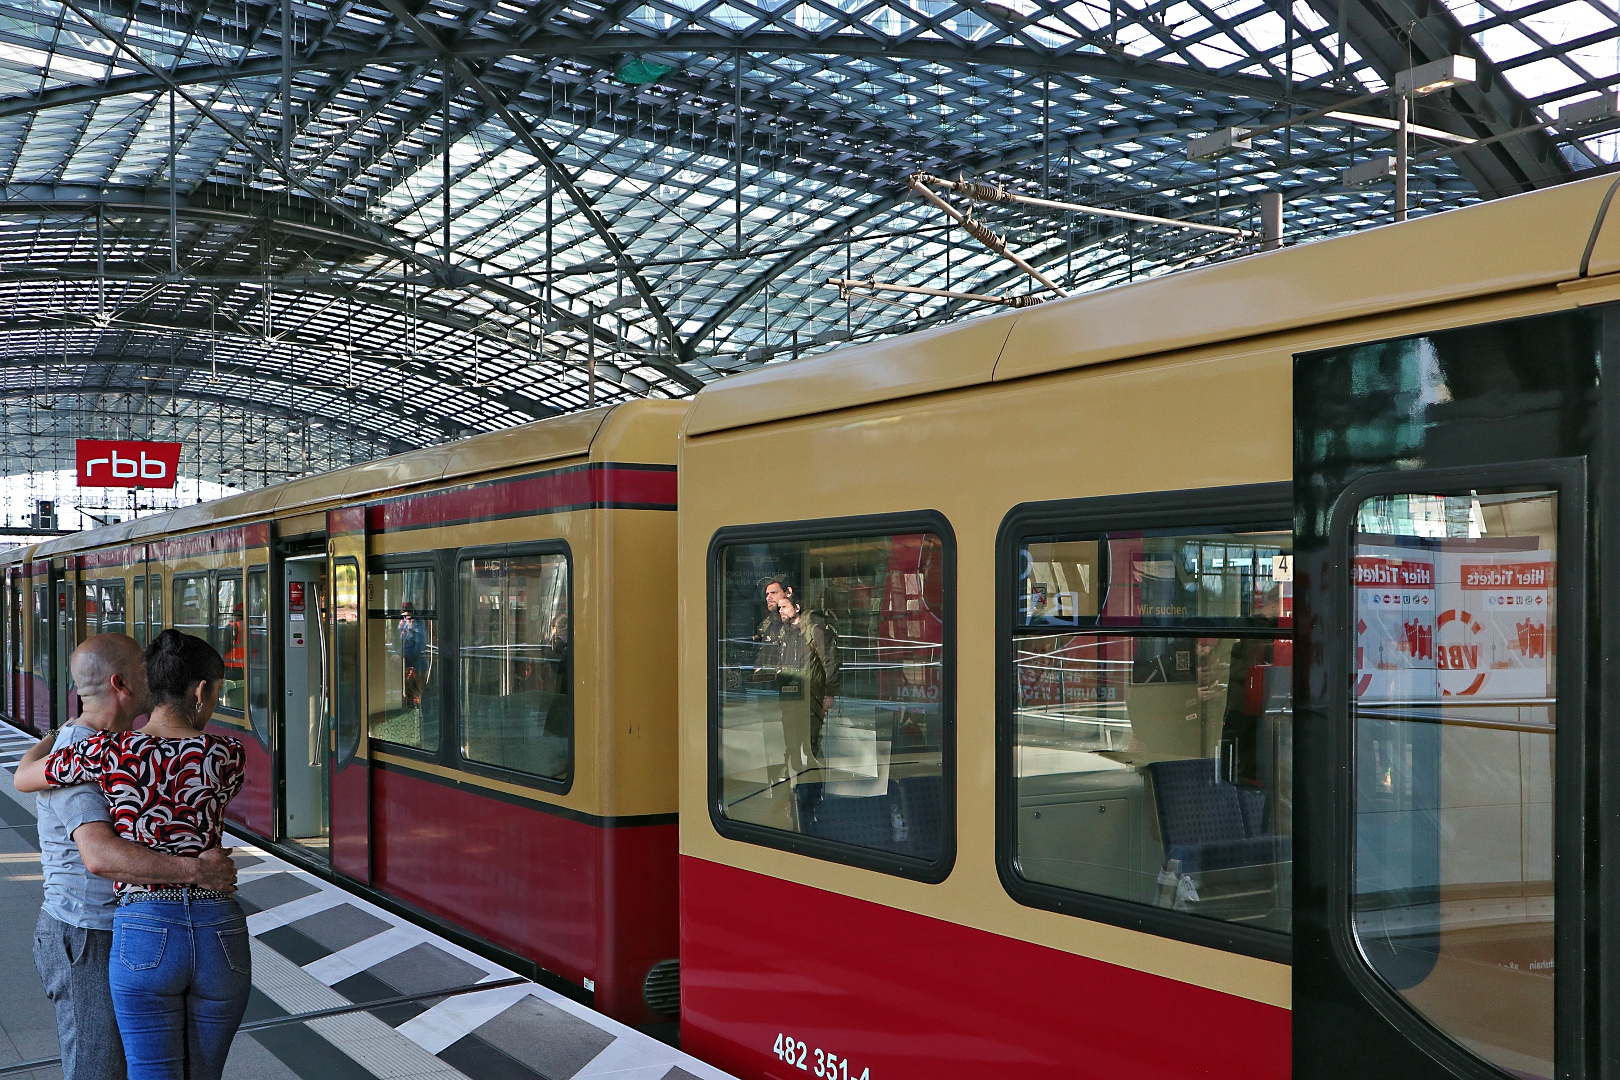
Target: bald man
{"points": [[82, 856]]}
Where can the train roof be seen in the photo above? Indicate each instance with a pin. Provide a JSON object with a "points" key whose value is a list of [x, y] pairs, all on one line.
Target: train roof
{"points": [[605, 433], [1521, 242]]}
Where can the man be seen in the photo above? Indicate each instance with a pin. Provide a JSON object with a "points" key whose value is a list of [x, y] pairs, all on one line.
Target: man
{"points": [[769, 633], [73, 940]]}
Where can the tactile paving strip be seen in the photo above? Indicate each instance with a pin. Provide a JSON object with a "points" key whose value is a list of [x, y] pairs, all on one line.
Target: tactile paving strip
{"points": [[316, 946]]}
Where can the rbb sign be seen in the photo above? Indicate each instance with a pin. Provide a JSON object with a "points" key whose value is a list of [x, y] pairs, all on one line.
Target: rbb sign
{"points": [[120, 463]]}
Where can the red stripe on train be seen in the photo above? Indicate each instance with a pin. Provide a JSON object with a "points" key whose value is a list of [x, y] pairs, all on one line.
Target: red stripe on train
{"points": [[582, 901], [909, 997], [590, 486]]}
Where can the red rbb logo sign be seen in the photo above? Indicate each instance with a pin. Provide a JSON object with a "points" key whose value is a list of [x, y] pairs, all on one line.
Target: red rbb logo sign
{"points": [[128, 464]]}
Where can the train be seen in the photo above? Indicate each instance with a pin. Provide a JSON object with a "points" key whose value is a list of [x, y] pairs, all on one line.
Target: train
{"points": [[1202, 677]]}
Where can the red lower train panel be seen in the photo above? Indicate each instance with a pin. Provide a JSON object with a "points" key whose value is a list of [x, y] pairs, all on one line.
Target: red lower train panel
{"points": [[251, 808], [581, 900], [846, 987]]}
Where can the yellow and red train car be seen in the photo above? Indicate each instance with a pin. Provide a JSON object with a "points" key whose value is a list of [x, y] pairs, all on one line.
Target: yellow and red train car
{"points": [[1193, 679]]}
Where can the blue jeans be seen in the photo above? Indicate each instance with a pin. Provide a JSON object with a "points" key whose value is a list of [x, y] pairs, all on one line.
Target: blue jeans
{"points": [[180, 976]]}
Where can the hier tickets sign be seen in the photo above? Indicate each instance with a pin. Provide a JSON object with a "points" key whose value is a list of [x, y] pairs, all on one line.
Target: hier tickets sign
{"points": [[124, 463], [1465, 624]]}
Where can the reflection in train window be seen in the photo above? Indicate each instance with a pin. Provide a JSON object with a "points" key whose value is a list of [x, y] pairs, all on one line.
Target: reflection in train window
{"points": [[258, 652], [87, 605], [137, 610], [191, 603], [227, 635], [1455, 711], [517, 705], [403, 620], [110, 606], [1153, 741], [154, 597], [831, 687]]}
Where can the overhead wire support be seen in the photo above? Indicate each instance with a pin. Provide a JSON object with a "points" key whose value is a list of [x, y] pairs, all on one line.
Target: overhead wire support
{"points": [[980, 233], [846, 286], [995, 193]]}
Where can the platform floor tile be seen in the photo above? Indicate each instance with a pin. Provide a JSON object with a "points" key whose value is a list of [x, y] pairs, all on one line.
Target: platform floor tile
{"points": [[319, 948]]}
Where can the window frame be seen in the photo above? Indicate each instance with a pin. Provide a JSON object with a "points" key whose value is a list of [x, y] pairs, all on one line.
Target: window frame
{"points": [[456, 752], [1239, 507], [1572, 789], [930, 872], [434, 560]]}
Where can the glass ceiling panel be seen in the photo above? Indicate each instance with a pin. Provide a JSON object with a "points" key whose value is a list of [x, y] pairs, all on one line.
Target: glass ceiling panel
{"points": [[698, 201]]}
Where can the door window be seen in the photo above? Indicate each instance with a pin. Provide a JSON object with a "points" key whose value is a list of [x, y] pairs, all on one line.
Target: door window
{"points": [[258, 652], [227, 634], [1456, 653], [346, 718], [137, 610], [403, 620]]}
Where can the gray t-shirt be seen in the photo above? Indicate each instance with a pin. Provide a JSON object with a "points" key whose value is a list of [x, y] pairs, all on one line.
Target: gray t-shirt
{"points": [[73, 895]]}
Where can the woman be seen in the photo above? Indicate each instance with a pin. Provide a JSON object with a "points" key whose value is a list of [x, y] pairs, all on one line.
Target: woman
{"points": [[180, 970]]}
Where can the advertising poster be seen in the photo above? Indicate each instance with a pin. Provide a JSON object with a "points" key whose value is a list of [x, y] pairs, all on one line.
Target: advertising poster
{"points": [[1395, 609], [1457, 623], [1491, 636]]}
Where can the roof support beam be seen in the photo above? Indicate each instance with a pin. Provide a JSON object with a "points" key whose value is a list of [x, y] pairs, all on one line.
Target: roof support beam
{"points": [[1395, 35], [281, 412], [414, 417], [520, 127], [84, 200], [613, 45]]}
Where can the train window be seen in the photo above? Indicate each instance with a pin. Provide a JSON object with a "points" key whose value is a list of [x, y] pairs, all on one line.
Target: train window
{"points": [[226, 633], [831, 718], [41, 643], [154, 598], [1455, 722], [137, 610], [1147, 731], [192, 601], [110, 605], [403, 617], [516, 657], [258, 652]]}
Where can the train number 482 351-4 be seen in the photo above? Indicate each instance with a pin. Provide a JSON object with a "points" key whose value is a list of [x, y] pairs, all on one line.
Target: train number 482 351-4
{"points": [[824, 1065]]}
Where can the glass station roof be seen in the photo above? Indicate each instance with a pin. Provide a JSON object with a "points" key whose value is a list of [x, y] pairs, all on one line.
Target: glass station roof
{"points": [[413, 219]]}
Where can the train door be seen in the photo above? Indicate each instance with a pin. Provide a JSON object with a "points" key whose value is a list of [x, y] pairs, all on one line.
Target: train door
{"points": [[301, 741], [348, 760], [1446, 488], [40, 638]]}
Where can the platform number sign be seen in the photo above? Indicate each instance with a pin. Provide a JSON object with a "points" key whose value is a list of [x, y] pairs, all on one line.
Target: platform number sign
{"points": [[818, 1062]]}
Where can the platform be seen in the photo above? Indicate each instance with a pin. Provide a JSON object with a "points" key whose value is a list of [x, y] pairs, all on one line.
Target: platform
{"points": [[342, 990]]}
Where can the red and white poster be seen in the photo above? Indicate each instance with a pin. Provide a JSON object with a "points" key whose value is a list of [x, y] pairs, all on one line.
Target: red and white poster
{"points": [[1453, 624], [1494, 636], [127, 464], [1395, 607]]}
